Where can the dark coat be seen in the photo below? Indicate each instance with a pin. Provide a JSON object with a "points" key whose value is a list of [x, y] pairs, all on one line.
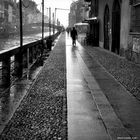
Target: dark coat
{"points": [[73, 34]]}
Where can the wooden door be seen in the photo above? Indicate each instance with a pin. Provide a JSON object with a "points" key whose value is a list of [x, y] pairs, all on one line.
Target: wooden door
{"points": [[106, 27], [116, 27]]}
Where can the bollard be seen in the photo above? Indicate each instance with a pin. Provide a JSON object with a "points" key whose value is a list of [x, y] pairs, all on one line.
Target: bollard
{"points": [[6, 72]]}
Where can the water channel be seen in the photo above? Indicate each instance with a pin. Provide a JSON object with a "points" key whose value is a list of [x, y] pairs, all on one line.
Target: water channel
{"points": [[12, 42], [14, 95]]}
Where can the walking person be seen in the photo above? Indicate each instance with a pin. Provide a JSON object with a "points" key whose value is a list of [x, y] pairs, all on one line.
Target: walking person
{"points": [[68, 31], [74, 36]]}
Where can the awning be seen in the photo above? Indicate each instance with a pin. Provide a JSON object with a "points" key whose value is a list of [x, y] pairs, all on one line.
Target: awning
{"points": [[80, 24], [93, 19]]}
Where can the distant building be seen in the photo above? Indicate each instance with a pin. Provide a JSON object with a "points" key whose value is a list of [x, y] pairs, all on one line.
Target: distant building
{"points": [[72, 14], [79, 11], [7, 15], [1, 11], [31, 14], [9, 10]]}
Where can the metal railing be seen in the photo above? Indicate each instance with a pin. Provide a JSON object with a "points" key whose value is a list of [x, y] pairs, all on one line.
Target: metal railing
{"points": [[17, 61]]}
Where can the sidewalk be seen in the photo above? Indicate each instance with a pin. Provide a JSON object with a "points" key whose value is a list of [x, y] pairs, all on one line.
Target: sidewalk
{"points": [[125, 105], [84, 122], [90, 114], [75, 98]]}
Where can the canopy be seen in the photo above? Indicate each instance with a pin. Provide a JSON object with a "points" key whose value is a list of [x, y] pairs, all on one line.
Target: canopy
{"points": [[93, 19], [80, 24]]}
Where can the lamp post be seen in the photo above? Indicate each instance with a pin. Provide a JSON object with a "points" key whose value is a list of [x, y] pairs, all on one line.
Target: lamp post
{"points": [[53, 24], [18, 57], [49, 16], [49, 21], [21, 28], [42, 22], [55, 15], [47, 13]]}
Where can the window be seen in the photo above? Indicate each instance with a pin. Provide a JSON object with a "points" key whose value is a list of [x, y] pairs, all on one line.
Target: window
{"points": [[94, 8], [135, 16]]}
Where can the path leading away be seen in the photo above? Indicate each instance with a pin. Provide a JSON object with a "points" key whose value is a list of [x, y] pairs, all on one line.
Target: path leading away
{"points": [[90, 114], [84, 122]]}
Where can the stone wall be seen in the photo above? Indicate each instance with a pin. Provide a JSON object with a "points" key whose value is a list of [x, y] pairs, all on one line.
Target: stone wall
{"points": [[132, 52], [125, 26]]}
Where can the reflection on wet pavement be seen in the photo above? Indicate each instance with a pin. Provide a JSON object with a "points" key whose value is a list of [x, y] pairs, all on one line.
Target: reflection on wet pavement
{"points": [[12, 42], [83, 115], [12, 97]]}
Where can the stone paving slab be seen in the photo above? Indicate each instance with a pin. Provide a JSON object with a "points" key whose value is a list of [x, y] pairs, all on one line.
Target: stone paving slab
{"points": [[125, 105], [124, 71], [42, 112], [110, 119], [84, 120]]}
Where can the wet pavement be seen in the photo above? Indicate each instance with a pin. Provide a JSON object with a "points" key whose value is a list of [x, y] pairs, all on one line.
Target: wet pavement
{"points": [[74, 97], [14, 41], [84, 121], [42, 112], [13, 96], [89, 83], [125, 105]]}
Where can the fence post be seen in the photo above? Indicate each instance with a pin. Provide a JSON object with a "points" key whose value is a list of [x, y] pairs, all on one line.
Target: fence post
{"points": [[28, 64], [6, 72], [19, 65], [25, 59], [31, 55]]}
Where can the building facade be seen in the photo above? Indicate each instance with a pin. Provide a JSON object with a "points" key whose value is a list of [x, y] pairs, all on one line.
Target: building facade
{"points": [[114, 24], [119, 26], [7, 15], [72, 14], [79, 11]]}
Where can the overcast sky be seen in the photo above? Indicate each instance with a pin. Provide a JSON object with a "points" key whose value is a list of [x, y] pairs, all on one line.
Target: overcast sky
{"points": [[62, 15]]}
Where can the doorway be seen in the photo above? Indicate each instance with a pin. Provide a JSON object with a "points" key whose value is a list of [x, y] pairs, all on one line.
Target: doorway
{"points": [[106, 27], [116, 27]]}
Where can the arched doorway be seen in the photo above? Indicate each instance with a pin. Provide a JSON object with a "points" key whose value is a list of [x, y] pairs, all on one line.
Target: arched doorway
{"points": [[116, 11], [106, 27]]}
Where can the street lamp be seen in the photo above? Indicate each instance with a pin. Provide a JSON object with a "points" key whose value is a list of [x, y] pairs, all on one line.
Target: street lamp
{"points": [[49, 16], [53, 24], [21, 29], [42, 22], [49, 21]]}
